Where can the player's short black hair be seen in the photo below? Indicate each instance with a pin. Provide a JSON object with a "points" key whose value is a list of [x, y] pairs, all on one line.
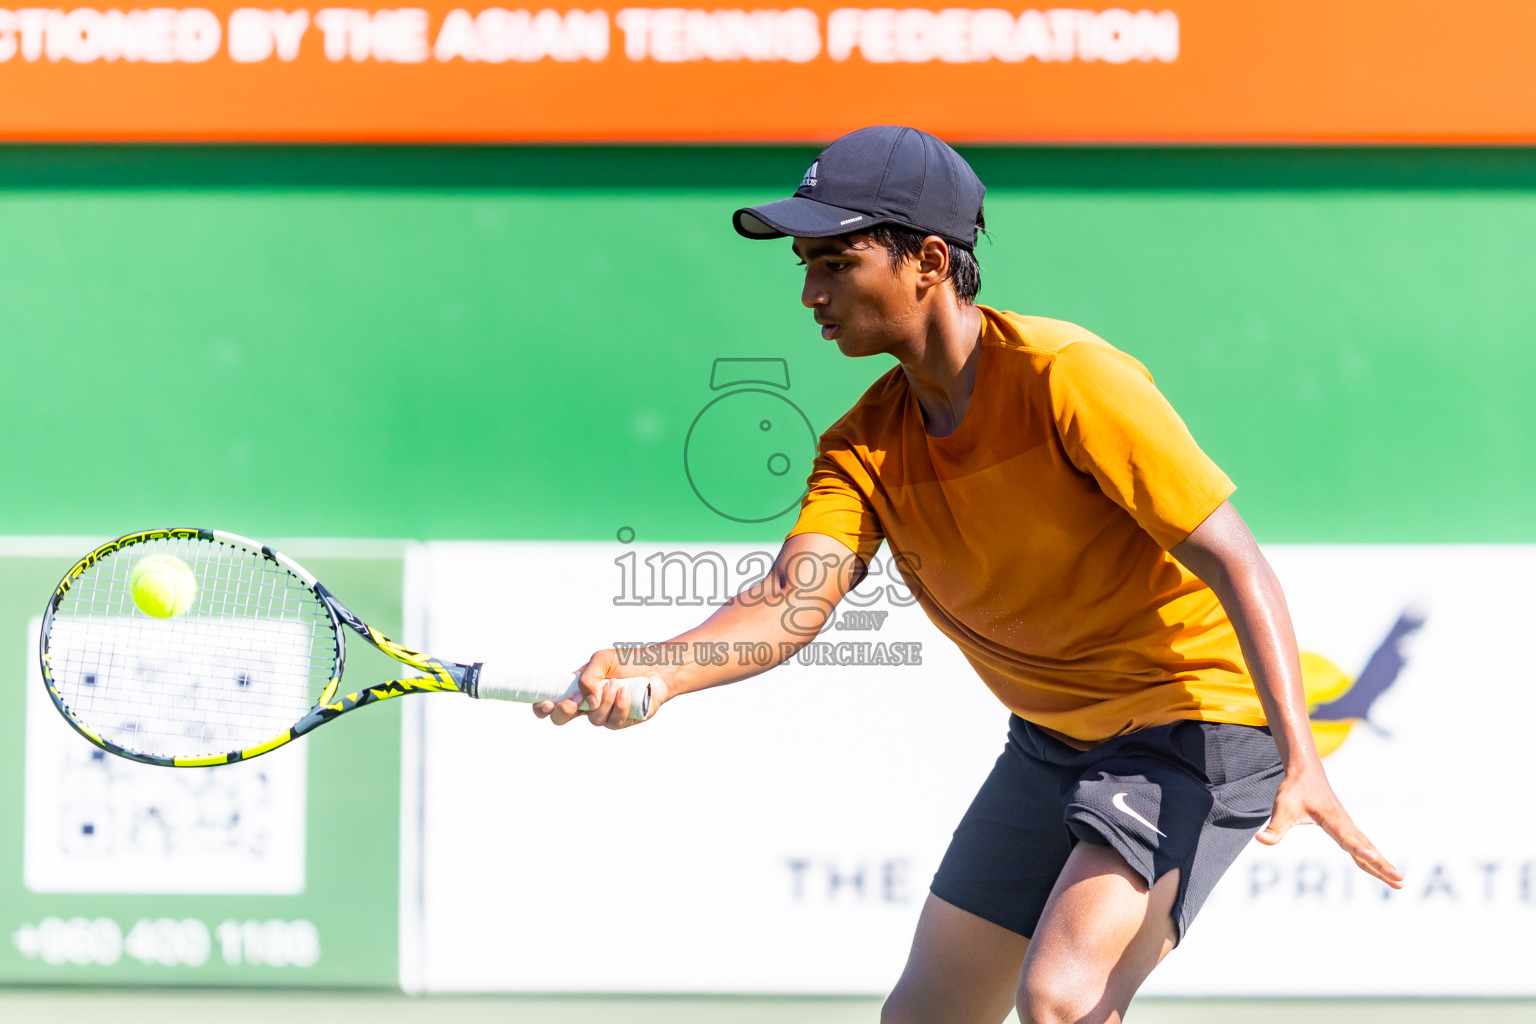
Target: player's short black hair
{"points": [[904, 243]]}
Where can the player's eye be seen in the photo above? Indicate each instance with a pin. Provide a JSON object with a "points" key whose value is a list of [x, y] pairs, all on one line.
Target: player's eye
{"points": [[799, 263]]}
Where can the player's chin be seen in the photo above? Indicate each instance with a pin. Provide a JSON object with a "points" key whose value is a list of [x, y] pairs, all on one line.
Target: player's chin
{"points": [[853, 344]]}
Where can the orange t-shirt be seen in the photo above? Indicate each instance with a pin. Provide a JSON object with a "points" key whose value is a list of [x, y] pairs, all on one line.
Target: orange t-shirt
{"points": [[1035, 536]]}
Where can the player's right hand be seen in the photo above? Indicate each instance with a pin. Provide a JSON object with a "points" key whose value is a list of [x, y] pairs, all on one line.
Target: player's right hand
{"points": [[608, 702]]}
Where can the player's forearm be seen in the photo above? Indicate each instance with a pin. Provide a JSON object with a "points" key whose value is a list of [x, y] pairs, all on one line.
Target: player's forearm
{"points": [[1250, 593], [748, 635], [754, 631], [765, 624]]}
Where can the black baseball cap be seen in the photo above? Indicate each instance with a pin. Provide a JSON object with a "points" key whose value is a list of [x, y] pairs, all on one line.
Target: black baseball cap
{"points": [[882, 175]]}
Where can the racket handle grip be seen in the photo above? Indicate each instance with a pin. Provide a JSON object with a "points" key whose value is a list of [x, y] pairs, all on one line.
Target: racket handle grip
{"points": [[494, 681]]}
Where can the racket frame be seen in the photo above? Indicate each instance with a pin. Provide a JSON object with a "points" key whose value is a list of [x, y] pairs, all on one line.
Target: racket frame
{"points": [[439, 676]]}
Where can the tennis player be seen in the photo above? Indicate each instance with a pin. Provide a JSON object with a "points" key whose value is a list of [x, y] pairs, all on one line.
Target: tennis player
{"points": [[1057, 521]]}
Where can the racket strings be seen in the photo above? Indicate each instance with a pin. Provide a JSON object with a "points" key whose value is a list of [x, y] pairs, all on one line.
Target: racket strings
{"points": [[240, 666]]}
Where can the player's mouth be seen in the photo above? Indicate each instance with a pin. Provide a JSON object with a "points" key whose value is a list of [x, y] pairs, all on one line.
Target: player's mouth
{"points": [[829, 331]]}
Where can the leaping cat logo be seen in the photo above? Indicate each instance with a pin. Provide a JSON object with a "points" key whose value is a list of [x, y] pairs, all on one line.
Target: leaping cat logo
{"points": [[1336, 702]]}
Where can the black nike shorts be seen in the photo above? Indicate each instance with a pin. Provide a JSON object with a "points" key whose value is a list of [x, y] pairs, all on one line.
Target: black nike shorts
{"points": [[1189, 795]]}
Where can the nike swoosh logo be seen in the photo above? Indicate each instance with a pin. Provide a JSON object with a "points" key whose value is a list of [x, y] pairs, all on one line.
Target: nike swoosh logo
{"points": [[1121, 805]]}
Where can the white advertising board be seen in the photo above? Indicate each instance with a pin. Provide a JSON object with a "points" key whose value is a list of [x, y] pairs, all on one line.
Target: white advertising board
{"points": [[778, 835]]}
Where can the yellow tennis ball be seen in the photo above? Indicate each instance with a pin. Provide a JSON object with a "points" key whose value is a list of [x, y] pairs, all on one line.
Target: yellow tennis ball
{"points": [[162, 586]]}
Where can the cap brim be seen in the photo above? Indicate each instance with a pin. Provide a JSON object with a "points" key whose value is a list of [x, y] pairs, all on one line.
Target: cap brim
{"points": [[798, 217]]}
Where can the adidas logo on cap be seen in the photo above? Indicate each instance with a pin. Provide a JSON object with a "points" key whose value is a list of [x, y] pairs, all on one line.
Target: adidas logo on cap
{"points": [[809, 181]]}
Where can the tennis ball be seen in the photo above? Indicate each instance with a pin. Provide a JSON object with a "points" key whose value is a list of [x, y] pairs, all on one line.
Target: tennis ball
{"points": [[162, 586]]}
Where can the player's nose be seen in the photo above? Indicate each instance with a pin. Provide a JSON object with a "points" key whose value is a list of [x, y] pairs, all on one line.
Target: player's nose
{"points": [[812, 296]]}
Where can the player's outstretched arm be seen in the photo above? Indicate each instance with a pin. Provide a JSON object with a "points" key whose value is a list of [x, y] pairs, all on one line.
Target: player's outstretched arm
{"points": [[1222, 552], [785, 610]]}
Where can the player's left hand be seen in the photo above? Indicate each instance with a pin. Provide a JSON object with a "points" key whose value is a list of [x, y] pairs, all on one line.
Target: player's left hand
{"points": [[1306, 798]]}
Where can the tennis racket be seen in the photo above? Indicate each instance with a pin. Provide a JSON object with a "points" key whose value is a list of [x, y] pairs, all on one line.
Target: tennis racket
{"points": [[255, 661]]}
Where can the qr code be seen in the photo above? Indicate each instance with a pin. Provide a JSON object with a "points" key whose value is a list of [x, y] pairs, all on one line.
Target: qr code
{"points": [[99, 823]]}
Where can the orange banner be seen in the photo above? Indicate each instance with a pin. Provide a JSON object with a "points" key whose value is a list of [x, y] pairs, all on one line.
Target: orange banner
{"points": [[1201, 71]]}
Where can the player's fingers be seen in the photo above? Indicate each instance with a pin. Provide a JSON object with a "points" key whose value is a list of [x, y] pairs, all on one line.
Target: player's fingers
{"points": [[1335, 821], [1374, 864], [618, 716], [1370, 860], [551, 710], [602, 710], [1281, 820], [569, 709], [1279, 824], [591, 681]]}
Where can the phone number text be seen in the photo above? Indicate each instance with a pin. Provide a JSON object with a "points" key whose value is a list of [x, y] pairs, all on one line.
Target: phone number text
{"points": [[168, 942]]}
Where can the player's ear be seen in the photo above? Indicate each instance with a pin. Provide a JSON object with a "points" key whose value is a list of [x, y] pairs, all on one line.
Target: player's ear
{"points": [[933, 262]]}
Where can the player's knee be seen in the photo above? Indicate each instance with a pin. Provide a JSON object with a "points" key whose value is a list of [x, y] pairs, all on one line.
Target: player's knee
{"points": [[900, 1008], [1052, 1000], [913, 1002]]}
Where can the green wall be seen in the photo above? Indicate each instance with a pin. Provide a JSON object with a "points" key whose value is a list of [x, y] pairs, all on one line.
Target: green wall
{"points": [[513, 343]]}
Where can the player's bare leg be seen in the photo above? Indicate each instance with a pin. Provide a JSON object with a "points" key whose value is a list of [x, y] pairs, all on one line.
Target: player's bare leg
{"points": [[962, 970], [1100, 936]]}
